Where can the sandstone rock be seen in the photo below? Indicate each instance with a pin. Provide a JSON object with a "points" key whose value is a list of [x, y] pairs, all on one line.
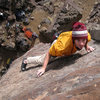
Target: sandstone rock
{"points": [[67, 78], [89, 92]]}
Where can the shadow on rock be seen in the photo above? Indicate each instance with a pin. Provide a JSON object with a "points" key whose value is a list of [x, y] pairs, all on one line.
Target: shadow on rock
{"points": [[64, 61], [61, 62], [32, 67], [96, 42]]}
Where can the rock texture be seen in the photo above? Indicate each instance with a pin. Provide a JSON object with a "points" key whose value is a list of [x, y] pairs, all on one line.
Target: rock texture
{"points": [[94, 30], [59, 16], [93, 22], [60, 19], [95, 14], [68, 78], [43, 17], [14, 13]]}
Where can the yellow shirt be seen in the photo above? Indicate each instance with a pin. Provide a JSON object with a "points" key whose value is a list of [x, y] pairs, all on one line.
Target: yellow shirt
{"points": [[64, 45]]}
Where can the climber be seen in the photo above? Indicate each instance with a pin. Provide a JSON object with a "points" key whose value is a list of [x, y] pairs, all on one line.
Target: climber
{"points": [[29, 34], [66, 44]]}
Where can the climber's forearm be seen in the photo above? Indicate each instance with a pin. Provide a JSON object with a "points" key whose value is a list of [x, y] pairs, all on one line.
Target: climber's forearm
{"points": [[46, 60]]}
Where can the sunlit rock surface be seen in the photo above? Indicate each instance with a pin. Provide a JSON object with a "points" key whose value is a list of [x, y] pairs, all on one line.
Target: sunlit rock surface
{"points": [[67, 78], [94, 22]]}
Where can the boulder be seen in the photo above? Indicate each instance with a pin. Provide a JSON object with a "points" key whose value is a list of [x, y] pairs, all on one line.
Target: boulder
{"points": [[9, 46], [94, 16], [22, 43], [26, 21], [62, 18], [93, 22], [67, 78], [11, 18], [94, 30]]}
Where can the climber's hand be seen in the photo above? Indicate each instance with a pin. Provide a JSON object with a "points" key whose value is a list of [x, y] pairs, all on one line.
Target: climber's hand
{"points": [[40, 72], [89, 49]]}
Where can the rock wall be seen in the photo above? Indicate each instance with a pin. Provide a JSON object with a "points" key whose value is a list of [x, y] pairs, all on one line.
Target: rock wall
{"points": [[93, 22], [69, 78], [11, 24], [45, 18], [60, 17]]}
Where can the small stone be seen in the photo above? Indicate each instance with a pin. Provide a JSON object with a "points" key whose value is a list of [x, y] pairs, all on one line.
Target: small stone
{"points": [[8, 37], [39, 26], [32, 18], [43, 29]]}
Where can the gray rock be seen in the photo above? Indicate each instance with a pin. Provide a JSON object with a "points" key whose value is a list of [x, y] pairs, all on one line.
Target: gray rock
{"points": [[46, 21], [62, 20], [94, 30], [10, 46], [95, 14], [32, 18], [11, 18], [93, 22], [26, 21], [22, 43], [49, 7], [1, 31]]}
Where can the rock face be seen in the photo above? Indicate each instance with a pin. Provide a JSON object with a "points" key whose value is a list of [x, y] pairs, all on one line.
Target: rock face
{"points": [[95, 14], [43, 17], [60, 19], [12, 14], [67, 78], [94, 30], [94, 22]]}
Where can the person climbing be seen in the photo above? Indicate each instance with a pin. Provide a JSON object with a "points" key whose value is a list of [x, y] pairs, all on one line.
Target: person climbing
{"points": [[29, 34], [66, 44]]}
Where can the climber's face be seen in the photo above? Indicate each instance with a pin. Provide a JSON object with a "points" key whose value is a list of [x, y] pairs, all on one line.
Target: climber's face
{"points": [[80, 43]]}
